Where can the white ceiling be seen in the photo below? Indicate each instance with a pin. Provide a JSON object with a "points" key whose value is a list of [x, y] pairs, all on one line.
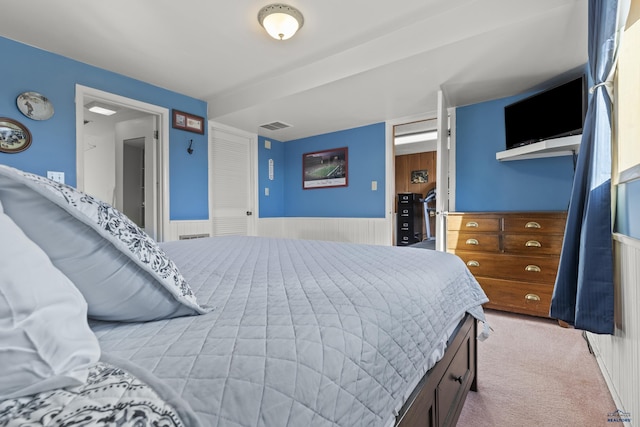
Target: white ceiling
{"points": [[353, 63]]}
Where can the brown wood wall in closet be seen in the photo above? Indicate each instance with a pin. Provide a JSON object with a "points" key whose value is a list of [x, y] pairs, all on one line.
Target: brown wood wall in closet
{"points": [[407, 163]]}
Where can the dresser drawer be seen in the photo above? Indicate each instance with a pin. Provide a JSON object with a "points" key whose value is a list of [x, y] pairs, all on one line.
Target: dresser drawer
{"points": [[485, 242], [518, 297], [472, 223], [532, 244], [534, 224], [515, 267]]}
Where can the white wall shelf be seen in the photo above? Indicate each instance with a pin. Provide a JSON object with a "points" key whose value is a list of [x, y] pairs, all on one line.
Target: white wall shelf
{"points": [[565, 146]]}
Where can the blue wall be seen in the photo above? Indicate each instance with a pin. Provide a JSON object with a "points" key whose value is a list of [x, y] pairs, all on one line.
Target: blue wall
{"points": [[486, 184], [366, 163], [54, 141], [271, 206]]}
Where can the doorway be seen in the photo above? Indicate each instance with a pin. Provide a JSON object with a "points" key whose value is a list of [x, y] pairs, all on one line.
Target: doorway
{"points": [[444, 125], [415, 148], [122, 158]]}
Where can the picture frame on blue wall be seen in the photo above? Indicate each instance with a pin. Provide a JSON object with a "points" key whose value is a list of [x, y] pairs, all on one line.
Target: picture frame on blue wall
{"points": [[327, 168], [14, 136], [188, 122], [35, 106]]}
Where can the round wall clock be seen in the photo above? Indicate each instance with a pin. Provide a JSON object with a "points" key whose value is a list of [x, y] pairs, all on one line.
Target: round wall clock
{"points": [[14, 136], [34, 105]]}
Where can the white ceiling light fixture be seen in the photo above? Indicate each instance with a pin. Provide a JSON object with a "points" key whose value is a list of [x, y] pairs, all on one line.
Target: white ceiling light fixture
{"points": [[280, 20], [100, 108]]}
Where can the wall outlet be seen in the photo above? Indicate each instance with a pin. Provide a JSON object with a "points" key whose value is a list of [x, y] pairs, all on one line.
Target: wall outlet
{"points": [[266, 191], [56, 176]]}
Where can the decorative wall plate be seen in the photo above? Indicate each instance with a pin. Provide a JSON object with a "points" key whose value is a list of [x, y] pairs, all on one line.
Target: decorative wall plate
{"points": [[14, 136], [34, 105]]}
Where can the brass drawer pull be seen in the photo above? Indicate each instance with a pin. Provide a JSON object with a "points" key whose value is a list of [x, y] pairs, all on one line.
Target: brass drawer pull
{"points": [[472, 242], [472, 224], [532, 224], [533, 268], [532, 297], [473, 263], [533, 244]]}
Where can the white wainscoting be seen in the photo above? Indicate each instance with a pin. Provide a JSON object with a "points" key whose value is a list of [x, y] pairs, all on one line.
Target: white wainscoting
{"points": [[187, 228], [619, 355], [374, 231]]}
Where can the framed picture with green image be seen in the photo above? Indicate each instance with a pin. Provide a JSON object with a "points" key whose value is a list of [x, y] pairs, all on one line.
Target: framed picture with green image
{"points": [[327, 168]]}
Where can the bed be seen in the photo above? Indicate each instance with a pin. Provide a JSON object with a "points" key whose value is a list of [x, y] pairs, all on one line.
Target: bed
{"points": [[224, 331]]}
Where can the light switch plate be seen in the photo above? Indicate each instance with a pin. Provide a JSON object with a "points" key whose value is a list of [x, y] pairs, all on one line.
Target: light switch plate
{"points": [[56, 176], [374, 185]]}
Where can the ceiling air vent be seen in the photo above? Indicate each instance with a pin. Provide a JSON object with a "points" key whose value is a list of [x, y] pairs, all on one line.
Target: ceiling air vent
{"points": [[275, 126]]}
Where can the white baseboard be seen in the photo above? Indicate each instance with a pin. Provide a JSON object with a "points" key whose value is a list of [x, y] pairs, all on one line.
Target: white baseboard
{"points": [[374, 231]]}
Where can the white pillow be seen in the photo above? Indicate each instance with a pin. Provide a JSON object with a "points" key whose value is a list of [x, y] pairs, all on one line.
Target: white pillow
{"points": [[121, 271], [45, 341]]}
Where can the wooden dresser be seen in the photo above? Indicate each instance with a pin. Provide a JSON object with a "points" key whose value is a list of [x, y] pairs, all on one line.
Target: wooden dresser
{"points": [[514, 255]]}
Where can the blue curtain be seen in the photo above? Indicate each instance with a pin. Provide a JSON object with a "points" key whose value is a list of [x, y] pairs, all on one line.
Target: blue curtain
{"points": [[583, 295]]}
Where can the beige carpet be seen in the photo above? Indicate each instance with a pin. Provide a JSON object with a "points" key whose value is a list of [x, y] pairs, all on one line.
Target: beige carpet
{"points": [[532, 372]]}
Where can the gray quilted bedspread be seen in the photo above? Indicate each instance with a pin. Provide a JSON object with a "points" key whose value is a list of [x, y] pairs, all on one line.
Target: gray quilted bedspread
{"points": [[303, 333]]}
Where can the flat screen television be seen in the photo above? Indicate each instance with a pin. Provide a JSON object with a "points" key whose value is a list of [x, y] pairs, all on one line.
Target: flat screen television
{"points": [[552, 113]]}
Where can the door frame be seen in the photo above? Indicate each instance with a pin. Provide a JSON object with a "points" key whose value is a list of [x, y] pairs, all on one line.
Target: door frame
{"points": [[162, 162], [391, 169], [443, 166], [449, 144]]}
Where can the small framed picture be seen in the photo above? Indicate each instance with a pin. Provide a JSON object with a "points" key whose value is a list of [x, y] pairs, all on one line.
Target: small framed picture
{"points": [[14, 136], [420, 176], [188, 122], [327, 168]]}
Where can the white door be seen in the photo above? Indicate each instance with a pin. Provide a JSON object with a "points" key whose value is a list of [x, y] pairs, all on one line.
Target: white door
{"points": [[231, 178], [442, 183]]}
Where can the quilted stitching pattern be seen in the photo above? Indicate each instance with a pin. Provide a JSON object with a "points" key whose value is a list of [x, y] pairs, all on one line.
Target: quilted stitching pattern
{"points": [[302, 332]]}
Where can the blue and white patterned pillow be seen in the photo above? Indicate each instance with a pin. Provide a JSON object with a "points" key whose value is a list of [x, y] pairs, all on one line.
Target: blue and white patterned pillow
{"points": [[121, 271], [110, 396]]}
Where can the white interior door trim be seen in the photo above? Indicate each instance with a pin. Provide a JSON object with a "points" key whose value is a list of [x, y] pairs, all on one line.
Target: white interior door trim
{"points": [[163, 134], [442, 182], [452, 159], [390, 176]]}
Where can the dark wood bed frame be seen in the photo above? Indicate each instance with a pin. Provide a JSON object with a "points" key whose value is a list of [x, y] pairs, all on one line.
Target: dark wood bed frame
{"points": [[440, 395]]}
